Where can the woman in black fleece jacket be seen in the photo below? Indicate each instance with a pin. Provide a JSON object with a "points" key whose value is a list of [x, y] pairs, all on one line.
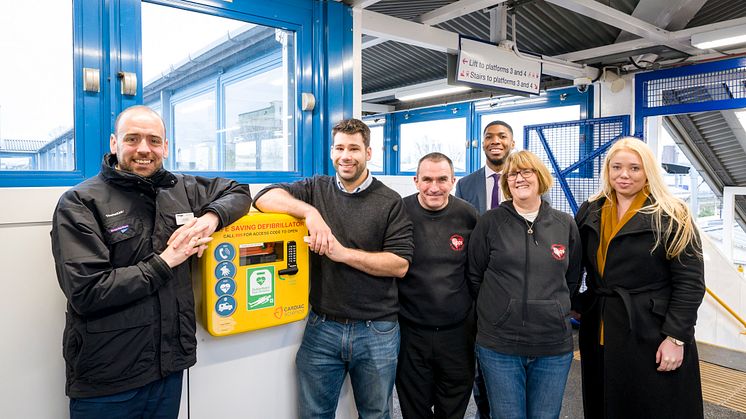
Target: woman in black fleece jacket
{"points": [[524, 263]]}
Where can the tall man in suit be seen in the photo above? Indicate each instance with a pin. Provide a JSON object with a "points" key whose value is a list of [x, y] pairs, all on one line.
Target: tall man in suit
{"points": [[481, 189]]}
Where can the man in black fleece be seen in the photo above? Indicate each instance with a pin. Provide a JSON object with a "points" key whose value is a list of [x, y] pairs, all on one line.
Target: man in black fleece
{"points": [[361, 239], [436, 360]]}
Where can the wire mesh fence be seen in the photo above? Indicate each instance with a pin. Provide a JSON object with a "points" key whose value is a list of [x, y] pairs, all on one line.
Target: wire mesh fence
{"points": [[574, 152]]}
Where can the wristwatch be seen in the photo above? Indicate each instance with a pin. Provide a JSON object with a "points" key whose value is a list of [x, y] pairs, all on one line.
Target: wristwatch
{"points": [[675, 341]]}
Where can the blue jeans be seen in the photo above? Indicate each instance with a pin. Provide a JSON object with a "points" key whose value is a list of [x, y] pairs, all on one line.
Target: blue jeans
{"points": [[367, 350], [160, 399], [522, 386]]}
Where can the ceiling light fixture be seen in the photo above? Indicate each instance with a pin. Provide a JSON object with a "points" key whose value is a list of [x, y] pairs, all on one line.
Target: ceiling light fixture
{"points": [[719, 38], [429, 91]]}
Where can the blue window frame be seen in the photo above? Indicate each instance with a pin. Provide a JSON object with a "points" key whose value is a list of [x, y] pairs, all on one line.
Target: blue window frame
{"points": [[378, 143], [702, 87], [106, 36], [397, 124], [418, 132]]}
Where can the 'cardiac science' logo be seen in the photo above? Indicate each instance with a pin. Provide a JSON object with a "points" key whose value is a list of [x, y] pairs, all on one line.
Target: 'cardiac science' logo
{"points": [[558, 251], [456, 242], [285, 311]]}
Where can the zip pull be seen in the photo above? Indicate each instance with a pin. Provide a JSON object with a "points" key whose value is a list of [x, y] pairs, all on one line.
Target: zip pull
{"points": [[535, 242]]}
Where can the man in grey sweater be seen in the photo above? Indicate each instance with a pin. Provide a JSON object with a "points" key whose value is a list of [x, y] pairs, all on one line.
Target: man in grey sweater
{"points": [[361, 242]]}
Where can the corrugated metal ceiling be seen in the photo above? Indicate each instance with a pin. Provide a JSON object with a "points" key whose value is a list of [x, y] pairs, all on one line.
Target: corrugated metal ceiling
{"points": [[541, 28], [545, 29]]}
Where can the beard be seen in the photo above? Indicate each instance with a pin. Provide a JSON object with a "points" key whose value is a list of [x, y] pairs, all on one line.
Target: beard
{"points": [[498, 162]]}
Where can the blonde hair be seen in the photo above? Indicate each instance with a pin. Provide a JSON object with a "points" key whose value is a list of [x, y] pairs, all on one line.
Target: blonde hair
{"points": [[525, 159], [663, 203]]}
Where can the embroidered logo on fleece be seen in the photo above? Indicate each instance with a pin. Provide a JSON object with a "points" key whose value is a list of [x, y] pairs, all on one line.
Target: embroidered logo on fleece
{"points": [[456, 242], [558, 251], [122, 229]]}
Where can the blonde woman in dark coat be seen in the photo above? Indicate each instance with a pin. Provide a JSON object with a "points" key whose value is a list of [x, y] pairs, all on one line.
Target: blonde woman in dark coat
{"points": [[645, 278]]}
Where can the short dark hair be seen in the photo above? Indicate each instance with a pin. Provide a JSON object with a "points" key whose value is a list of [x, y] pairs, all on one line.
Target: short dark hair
{"points": [[503, 123], [137, 108], [352, 126], [435, 157]]}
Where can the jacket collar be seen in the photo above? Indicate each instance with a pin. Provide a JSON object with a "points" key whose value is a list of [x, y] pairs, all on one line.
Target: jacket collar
{"points": [[638, 223], [159, 180]]}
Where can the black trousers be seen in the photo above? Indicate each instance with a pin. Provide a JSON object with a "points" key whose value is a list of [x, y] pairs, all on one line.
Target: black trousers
{"points": [[435, 372]]}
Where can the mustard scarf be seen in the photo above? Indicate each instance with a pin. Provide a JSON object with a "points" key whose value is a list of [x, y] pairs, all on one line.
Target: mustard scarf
{"points": [[610, 226]]}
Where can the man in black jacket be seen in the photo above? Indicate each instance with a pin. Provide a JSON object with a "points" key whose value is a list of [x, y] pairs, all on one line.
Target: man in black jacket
{"points": [[120, 240], [436, 360]]}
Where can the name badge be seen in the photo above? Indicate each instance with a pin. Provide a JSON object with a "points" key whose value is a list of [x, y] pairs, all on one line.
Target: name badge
{"points": [[184, 218]]}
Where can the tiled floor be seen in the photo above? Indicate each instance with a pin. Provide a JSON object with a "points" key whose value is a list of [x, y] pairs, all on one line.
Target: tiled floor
{"points": [[724, 389]]}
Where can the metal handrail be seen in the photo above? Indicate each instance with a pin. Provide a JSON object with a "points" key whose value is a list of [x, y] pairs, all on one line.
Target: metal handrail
{"points": [[727, 308]]}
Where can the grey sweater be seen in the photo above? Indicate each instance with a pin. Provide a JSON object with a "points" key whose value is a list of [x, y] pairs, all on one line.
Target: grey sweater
{"points": [[372, 220]]}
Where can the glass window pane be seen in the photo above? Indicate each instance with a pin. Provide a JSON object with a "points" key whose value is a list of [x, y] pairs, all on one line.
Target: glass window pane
{"points": [[376, 144], [194, 127], [36, 103], [520, 119], [226, 89], [447, 136], [566, 153], [256, 131]]}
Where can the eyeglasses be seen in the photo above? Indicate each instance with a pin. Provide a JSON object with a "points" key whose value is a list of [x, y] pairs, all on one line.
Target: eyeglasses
{"points": [[525, 174]]}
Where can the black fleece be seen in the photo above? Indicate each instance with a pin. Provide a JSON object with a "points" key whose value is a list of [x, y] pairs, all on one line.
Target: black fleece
{"points": [[523, 281]]}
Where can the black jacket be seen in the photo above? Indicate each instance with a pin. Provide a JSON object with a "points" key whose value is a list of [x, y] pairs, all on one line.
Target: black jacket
{"points": [[641, 298], [523, 281], [130, 318]]}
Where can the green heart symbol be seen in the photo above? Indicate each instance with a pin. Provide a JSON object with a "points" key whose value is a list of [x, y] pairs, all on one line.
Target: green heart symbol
{"points": [[261, 277]]}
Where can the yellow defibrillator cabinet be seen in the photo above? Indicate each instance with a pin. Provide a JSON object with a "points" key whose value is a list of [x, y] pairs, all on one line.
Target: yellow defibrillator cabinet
{"points": [[255, 274]]}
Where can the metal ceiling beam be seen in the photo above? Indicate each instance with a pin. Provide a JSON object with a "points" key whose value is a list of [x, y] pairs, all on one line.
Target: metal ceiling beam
{"points": [[421, 35], [687, 33], [637, 44], [377, 108], [671, 15], [362, 4], [454, 10], [371, 41], [412, 33], [606, 50], [390, 93], [614, 17], [498, 23]]}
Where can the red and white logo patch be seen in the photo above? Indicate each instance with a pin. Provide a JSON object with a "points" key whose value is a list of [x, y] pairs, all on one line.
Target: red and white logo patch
{"points": [[456, 242], [558, 251]]}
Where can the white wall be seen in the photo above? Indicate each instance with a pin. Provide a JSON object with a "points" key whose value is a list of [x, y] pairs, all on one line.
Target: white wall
{"points": [[714, 324], [32, 315], [249, 375], [608, 103]]}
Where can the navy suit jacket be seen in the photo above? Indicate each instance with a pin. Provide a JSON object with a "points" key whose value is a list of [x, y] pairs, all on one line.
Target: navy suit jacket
{"points": [[472, 189]]}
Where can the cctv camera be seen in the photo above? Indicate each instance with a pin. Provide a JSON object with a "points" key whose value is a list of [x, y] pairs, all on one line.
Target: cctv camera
{"points": [[582, 83]]}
